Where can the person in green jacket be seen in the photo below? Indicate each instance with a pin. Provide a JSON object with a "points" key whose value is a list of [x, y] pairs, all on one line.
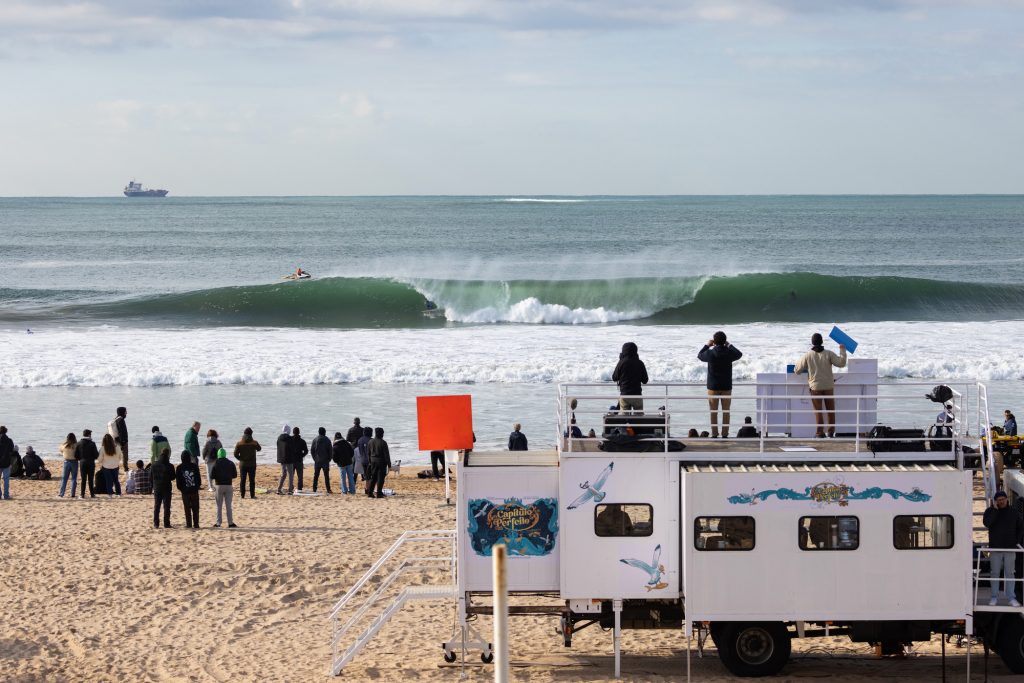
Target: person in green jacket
{"points": [[192, 441], [245, 453]]}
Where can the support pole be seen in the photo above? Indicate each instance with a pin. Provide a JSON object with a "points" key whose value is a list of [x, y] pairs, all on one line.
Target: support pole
{"points": [[500, 616], [447, 480], [617, 636], [688, 627]]}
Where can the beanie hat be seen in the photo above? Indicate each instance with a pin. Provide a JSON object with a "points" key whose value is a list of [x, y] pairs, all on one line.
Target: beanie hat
{"points": [[286, 429], [999, 494], [221, 453]]}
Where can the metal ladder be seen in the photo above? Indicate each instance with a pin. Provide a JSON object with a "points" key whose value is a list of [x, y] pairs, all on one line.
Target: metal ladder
{"points": [[340, 657]]}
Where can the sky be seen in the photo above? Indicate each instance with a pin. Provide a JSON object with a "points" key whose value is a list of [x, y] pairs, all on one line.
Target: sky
{"points": [[518, 97]]}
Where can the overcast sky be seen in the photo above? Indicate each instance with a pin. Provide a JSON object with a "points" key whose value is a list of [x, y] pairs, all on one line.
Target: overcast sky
{"points": [[344, 97]]}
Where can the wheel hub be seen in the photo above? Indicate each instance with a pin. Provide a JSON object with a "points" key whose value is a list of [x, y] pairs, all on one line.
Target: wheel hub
{"points": [[754, 645]]}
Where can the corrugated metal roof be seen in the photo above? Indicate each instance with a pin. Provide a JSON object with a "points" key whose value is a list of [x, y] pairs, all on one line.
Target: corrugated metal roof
{"points": [[727, 468]]}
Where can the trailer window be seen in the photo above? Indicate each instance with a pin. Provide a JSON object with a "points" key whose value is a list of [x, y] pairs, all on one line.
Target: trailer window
{"points": [[919, 532], [829, 533], [624, 519], [723, 533]]}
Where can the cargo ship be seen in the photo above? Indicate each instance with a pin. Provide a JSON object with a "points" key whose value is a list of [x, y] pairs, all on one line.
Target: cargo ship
{"points": [[134, 189]]}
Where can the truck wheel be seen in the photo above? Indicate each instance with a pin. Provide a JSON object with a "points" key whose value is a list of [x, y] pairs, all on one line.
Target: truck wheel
{"points": [[752, 649], [1010, 643]]}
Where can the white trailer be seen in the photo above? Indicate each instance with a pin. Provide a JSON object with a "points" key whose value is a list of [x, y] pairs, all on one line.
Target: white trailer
{"points": [[753, 541]]}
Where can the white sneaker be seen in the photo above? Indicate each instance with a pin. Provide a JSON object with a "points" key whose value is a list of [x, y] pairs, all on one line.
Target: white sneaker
{"points": [[1014, 603], [993, 601]]}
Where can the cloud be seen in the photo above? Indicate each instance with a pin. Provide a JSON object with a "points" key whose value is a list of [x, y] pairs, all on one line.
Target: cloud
{"points": [[356, 105], [118, 113]]}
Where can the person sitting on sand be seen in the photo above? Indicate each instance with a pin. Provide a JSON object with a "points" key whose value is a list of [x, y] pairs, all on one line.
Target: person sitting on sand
{"points": [[33, 464], [163, 481], [245, 453], [380, 461], [517, 440], [189, 482], [322, 450], [143, 479], [224, 472], [747, 431]]}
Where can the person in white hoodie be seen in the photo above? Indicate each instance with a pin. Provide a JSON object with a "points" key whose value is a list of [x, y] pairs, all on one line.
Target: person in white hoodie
{"points": [[818, 364], [110, 461]]}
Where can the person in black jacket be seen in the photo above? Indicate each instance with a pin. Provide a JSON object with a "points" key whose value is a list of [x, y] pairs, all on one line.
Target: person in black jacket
{"points": [[224, 472], [517, 440], [380, 461], [719, 354], [6, 460], [1005, 530], [189, 482], [343, 456], [354, 432], [630, 374], [299, 451], [162, 472], [322, 450], [122, 434], [86, 454], [284, 458]]}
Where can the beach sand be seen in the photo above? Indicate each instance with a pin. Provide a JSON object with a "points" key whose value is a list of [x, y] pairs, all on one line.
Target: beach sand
{"points": [[92, 592]]}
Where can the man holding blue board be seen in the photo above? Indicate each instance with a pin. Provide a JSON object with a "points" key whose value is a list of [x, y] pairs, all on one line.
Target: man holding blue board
{"points": [[818, 364]]}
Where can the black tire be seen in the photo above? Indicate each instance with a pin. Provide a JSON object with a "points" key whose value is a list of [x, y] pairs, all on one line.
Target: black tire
{"points": [[1010, 642], [449, 657], [487, 657], [752, 649]]}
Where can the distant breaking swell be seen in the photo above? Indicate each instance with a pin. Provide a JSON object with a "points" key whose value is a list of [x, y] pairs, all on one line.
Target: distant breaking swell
{"points": [[399, 303]]}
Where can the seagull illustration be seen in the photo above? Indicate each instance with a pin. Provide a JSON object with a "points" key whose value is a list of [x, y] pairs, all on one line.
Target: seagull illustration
{"points": [[593, 491], [654, 569]]}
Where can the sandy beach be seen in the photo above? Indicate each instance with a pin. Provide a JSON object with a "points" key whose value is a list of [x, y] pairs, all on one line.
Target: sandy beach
{"points": [[93, 592]]}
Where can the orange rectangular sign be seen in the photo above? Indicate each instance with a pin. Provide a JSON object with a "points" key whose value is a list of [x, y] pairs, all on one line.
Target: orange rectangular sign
{"points": [[445, 422]]}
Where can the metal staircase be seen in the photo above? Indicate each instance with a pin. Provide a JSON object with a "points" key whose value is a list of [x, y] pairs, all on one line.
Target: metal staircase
{"points": [[393, 598]]}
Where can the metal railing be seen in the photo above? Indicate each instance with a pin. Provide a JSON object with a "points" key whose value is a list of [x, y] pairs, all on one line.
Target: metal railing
{"points": [[978, 578], [785, 415], [433, 564]]}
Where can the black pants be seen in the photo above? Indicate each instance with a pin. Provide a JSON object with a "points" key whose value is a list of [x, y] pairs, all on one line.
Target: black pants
{"points": [[375, 478], [250, 472], [87, 473], [190, 501], [158, 500], [437, 457], [326, 469], [298, 473]]}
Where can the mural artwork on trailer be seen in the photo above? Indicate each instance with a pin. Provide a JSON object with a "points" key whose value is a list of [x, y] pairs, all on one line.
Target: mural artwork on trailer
{"points": [[828, 493], [593, 491], [528, 527], [655, 570]]}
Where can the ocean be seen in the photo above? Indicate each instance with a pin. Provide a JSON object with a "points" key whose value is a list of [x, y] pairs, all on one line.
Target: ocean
{"points": [[176, 308]]}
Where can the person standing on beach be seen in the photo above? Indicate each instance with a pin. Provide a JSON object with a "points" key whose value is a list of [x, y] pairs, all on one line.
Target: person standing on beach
{"points": [[6, 460], [67, 451], [189, 482], [517, 440], [719, 354], [245, 452], [299, 451], [322, 450], [630, 374], [224, 473], [119, 430], [362, 454], [192, 441], [157, 445], [210, 449], [342, 454], [86, 453], [818, 363], [380, 461], [110, 463], [354, 432], [284, 458], [163, 479]]}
